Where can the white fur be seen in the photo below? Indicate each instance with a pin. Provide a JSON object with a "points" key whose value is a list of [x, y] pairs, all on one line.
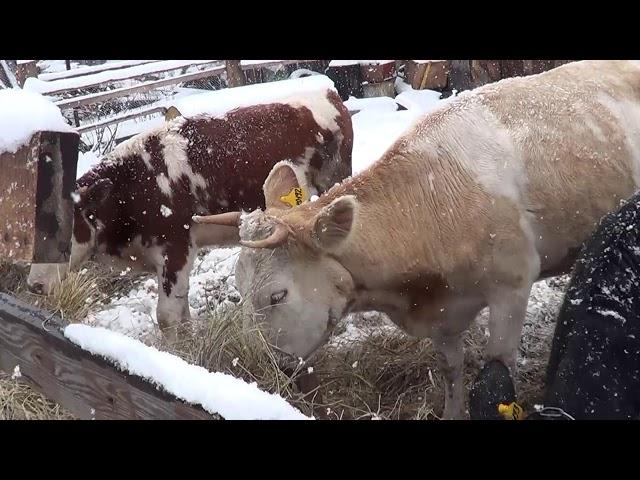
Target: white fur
{"points": [[164, 185], [324, 112], [177, 162], [628, 114]]}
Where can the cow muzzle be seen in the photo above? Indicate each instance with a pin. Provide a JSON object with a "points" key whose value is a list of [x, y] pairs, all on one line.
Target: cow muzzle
{"points": [[43, 277]]}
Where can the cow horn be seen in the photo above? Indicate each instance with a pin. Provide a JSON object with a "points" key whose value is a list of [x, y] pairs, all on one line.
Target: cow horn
{"points": [[277, 238], [229, 219]]}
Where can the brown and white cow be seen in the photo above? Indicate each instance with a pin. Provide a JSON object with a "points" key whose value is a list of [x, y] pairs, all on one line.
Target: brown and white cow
{"points": [[479, 199], [134, 208]]}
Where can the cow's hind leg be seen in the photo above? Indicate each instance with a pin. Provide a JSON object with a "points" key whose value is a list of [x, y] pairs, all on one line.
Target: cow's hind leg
{"points": [[173, 295]]}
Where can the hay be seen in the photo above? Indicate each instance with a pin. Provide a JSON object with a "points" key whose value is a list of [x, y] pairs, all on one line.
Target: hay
{"points": [[71, 300], [370, 369], [13, 277], [19, 402]]}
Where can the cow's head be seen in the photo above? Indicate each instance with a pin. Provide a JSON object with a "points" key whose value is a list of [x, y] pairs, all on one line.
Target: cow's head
{"points": [[287, 268], [91, 204]]}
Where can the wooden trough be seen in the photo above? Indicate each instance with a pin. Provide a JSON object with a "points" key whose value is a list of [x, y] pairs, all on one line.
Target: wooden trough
{"points": [[36, 217], [86, 385]]}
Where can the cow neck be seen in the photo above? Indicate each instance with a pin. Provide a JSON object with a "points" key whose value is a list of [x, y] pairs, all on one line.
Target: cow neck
{"points": [[378, 221]]}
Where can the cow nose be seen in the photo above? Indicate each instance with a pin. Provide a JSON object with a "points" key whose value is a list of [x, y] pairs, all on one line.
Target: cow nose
{"points": [[36, 287]]}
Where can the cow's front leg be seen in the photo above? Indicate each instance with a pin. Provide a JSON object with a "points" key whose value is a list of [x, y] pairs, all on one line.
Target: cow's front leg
{"points": [[451, 363], [173, 294]]}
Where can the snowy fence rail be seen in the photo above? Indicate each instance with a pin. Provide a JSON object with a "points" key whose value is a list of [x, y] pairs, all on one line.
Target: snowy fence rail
{"points": [[56, 87], [121, 118], [142, 87], [86, 385], [78, 72]]}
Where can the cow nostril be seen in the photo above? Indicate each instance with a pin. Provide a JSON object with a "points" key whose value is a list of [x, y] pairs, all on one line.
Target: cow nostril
{"points": [[36, 288]]}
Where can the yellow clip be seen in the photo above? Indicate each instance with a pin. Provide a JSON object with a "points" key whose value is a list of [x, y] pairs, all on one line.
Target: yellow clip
{"points": [[295, 197], [510, 411]]}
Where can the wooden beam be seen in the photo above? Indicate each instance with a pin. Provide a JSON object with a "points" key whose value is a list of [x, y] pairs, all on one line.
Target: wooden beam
{"points": [[86, 385], [143, 87]]}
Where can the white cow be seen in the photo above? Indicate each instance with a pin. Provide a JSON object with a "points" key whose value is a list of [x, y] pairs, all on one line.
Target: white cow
{"points": [[493, 191]]}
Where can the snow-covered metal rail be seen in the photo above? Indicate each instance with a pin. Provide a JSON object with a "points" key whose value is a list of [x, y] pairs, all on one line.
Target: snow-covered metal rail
{"points": [[86, 385]]}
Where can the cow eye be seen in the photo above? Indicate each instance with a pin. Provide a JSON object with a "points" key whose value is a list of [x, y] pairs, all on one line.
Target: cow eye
{"points": [[278, 297]]}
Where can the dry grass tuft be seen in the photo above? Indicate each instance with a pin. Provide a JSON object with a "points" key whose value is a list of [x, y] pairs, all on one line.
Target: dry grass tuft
{"points": [[13, 277], [19, 402]]}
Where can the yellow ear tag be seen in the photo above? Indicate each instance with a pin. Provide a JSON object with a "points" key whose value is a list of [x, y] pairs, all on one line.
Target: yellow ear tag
{"points": [[295, 197], [510, 411]]}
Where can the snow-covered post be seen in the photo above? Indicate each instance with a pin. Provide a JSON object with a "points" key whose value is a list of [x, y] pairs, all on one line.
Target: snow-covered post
{"points": [[347, 77], [38, 157], [378, 78], [235, 76], [26, 69], [429, 74]]}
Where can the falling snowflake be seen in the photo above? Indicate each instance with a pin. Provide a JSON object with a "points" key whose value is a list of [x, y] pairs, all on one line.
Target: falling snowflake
{"points": [[165, 211]]}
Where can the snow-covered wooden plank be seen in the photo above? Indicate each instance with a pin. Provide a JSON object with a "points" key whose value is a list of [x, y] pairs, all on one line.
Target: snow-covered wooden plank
{"points": [[77, 72], [86, 385], [58, 86], [217, 392], [93, 98]]}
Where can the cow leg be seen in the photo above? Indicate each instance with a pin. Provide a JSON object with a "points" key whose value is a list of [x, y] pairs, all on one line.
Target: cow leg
{"points": [[507, 311], [451, 364], [173, 296]]}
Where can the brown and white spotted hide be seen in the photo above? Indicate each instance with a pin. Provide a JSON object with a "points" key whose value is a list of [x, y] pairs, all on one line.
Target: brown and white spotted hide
{"points": [[135, 208]]}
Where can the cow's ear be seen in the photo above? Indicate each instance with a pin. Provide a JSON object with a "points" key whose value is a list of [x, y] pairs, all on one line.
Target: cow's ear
{"points": [[333, 224], [94, 195], [286, 186]]}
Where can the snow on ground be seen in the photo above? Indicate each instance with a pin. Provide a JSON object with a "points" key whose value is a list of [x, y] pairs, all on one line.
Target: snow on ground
{"points": [[232, 398], [24, 113], [86, 160], [421, 100], [211, 285], [382, 104]]}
